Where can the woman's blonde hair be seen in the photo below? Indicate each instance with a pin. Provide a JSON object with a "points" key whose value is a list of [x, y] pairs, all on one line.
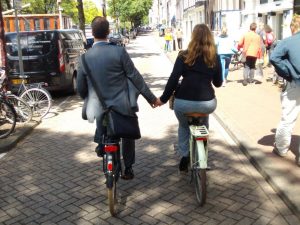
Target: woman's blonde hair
{"points": [[202, 44]]}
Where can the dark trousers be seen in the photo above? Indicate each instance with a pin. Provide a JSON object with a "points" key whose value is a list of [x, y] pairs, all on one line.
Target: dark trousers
{"points": [[249, 69], [128, 146], [179, 42]]}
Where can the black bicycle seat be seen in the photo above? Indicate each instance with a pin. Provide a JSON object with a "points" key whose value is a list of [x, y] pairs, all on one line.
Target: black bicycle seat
{"points": [[197, 119]]}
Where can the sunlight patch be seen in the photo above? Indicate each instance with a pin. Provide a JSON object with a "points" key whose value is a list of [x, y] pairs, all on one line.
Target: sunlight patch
{"points": [[86, 157]]}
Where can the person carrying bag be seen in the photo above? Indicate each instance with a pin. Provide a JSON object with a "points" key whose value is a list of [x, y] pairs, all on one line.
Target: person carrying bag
{"points": [[109, 82]]}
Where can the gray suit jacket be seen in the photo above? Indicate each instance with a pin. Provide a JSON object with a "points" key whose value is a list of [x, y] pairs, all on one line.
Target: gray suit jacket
{"points": [[117, 78]]}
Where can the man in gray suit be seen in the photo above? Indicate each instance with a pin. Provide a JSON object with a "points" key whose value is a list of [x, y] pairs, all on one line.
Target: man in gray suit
{"points": [[119, 81]]}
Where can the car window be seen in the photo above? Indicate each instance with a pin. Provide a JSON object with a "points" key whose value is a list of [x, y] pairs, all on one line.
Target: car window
{"points": [[32, 43]]}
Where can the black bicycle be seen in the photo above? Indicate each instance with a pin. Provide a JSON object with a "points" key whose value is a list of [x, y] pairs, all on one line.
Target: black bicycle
{"points": [[112, 167], [8, 117]]}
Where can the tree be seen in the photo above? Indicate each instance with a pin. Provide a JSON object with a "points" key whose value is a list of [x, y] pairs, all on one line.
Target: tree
{"points": [[133, 11], [90, 11], [81, 19]]}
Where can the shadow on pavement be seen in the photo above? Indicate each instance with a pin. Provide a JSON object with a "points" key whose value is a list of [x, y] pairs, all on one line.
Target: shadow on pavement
{"points": [[56, 177]]}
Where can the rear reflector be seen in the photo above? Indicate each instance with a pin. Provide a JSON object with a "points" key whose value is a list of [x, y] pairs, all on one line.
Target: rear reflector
{"points": [[201, 139], [109, 166], [110, 148]]}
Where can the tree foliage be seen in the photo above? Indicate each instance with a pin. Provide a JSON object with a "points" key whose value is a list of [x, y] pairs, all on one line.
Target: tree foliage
{"points": [[70, 8], [133, 11]]}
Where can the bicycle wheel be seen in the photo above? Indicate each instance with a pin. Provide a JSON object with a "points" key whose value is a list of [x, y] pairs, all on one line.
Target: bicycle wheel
{"points": [[199, 177], [22, 108], [112, 195], [39, 101], [7, 119]]}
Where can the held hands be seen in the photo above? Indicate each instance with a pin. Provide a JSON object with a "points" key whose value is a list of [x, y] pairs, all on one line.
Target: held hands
{"points": [[157, 102]]}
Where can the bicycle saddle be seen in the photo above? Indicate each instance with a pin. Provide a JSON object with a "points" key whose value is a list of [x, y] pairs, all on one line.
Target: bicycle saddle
{"points": [[195, 118]]}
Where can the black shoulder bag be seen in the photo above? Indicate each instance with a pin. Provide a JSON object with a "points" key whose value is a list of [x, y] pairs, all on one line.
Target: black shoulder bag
{"points": [[119, 125]]}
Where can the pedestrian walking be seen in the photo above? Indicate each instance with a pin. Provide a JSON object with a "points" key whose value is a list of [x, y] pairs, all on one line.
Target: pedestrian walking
{"points": [[225, 49], [199, 67], [179, 35], [260, 62], [251, 45], [286, 61], [174, 39], [113, 71], [168, 40], [270, 42]]}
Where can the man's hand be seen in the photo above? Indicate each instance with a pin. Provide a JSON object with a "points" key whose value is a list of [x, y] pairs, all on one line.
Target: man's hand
{"points": [[157, 103]]}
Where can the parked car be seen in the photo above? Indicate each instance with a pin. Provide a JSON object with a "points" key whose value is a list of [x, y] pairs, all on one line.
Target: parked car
{"points": [[117, 38], [49, 56]]}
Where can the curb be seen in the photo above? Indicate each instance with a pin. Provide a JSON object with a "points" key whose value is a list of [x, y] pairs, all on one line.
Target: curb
{"points": [[20, 132], [257, 159]]}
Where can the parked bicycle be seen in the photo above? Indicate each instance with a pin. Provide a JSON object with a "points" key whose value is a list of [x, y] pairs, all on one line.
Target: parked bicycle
{"points": [[22, 108], [38, 98], [7, 117], [198, 154]]}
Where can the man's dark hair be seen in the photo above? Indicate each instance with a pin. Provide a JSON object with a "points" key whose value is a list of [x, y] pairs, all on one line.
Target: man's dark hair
{"points": [[253, 26], [100, 27]]}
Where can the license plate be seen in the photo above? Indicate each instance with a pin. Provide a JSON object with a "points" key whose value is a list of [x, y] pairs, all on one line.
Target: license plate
{"points": [[18, 81]]}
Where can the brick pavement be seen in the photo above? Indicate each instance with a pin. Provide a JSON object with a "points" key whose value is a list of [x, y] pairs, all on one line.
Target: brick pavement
{"points": [[251, 114], [54, 177]]}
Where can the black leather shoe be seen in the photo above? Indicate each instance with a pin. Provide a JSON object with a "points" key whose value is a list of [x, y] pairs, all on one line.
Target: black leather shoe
{"points": [[99, 150], [183, 165], [128, 174]]}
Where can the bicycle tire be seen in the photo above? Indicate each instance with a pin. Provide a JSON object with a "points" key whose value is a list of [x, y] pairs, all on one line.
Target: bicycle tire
{"points": [[112, 197], [22, 108], [7, 119], [39, 100], [199, 177]]}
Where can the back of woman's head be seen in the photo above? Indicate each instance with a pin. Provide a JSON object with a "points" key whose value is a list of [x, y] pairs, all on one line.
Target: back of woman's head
{"points": [[268, 29], [201, 45]]}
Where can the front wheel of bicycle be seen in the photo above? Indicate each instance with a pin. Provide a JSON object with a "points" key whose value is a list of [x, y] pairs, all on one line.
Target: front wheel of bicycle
{"points": [[112, 196], [199, 177], [22, 108], [39, 101], [7, 119]]}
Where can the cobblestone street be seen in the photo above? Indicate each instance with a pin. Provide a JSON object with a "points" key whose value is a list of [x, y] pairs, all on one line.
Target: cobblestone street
{"points": [[53, 176]]}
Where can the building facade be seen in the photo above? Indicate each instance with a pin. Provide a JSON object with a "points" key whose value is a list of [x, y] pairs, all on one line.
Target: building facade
{"points": [[31, 22]]}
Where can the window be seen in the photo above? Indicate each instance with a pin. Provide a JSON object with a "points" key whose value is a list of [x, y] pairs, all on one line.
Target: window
{"points": [[7, 25], [46, 24], [27, 25], [55, 24], [37, 25]]}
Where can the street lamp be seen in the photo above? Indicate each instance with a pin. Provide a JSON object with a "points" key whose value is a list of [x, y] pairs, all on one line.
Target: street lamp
{"points": [[60, 9], [17, 6]]}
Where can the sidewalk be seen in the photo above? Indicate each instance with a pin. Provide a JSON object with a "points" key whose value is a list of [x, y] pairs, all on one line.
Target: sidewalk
{"points": [[250, 115]]}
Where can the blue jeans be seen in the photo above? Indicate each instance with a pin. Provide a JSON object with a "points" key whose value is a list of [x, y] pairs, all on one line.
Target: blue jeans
{"points": [[225, 62], [184, 106]]}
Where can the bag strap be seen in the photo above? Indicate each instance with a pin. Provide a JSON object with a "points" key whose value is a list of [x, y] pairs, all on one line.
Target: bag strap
{"points": [[97, 90]]}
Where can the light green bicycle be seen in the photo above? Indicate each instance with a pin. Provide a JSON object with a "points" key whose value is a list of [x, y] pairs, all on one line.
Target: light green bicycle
{"points": [[198, 153]]}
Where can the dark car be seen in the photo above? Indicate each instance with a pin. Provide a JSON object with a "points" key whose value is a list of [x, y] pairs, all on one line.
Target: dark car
{"points": [[117, 39], [49, 56]]}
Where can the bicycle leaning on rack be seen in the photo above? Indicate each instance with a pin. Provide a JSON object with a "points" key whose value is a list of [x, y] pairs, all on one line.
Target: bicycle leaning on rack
{"points": [[112, 166], [22, 108], [38, 98], [7, 117], [198, 153]]}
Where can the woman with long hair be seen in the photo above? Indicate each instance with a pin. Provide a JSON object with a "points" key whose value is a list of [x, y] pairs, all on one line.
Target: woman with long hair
{"points": [[199, 67]]}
